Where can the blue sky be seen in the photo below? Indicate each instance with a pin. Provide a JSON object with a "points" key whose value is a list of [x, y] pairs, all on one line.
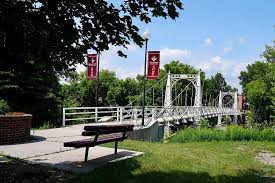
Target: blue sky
{"points": [[214, 35]]}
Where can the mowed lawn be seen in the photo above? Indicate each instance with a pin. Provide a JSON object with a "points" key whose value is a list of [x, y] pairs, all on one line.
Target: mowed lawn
{"points": [[224, 161]]}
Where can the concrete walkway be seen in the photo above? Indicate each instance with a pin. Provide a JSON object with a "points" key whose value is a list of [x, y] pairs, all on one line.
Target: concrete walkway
{"points": [[47, 148]]}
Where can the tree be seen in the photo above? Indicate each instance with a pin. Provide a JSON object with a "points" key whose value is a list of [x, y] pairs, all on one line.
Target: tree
{"points": [[56, 34], [258, 83], [214, 85], [33, 91], [258, 98], [176, 67], [254, 72], [269, 53], [41, 40]]}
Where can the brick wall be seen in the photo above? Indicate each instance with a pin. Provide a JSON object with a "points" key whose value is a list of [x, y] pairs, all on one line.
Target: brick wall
{"points": [[15, 128]]}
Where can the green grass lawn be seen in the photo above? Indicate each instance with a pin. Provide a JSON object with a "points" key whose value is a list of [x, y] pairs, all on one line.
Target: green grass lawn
{"points": [[230, 133], [223, 161]]}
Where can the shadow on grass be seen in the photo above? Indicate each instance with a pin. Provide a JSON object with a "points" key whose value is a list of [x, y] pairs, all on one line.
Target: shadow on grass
{"points": [[18, 171], [78, 165], [132, 172]]}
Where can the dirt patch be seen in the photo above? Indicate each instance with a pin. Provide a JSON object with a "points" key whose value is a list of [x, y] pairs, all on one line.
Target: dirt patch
{"points": [[266, 157], [15, 171], [241, 147]]}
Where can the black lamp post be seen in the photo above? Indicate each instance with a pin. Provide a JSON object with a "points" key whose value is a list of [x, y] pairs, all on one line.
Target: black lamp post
{"points": [[146, 36], [97, 80]]}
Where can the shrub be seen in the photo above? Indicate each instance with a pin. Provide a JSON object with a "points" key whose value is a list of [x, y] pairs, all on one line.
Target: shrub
{"points": [[204, 123], [231, 133], [226, 120], [46, 125], [4, 107]]}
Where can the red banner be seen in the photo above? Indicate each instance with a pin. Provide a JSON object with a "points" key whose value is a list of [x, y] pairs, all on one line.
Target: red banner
{"points": [[153, 65], [91, 66]]}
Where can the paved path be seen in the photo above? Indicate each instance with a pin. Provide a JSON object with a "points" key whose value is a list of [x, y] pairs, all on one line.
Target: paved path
{"points": [[47, 148]]}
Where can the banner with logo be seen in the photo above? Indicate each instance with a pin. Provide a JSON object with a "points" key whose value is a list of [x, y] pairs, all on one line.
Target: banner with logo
{"points": [[91, 66], [153, 65]]}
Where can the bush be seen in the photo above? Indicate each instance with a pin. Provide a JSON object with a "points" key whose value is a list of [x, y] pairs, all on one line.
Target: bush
{"points": [[4, 107], [226, 120], [231, 133], [204, 123], [45, 126]]}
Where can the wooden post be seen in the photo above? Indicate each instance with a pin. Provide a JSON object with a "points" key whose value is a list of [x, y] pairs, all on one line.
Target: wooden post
{"points": [[86, 153], [96, 114], [117, 114], [121, 115], [64, 117], [116, 147]]}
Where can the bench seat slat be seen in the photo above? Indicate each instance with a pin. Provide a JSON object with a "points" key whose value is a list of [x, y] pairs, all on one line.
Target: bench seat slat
{"points": [[90, 142], [95, 132], [123, 127], [80, 143]]}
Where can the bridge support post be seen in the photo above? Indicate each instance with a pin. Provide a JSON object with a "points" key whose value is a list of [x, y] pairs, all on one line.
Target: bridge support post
{"points": [[168, 91], [153, 114], [168, 104], [198, 100], [166, 130], [235, 107], [220, 106], [135, 115]]}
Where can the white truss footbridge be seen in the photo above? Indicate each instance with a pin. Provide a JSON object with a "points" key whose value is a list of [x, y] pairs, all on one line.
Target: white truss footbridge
{"points": [[166, 114]]}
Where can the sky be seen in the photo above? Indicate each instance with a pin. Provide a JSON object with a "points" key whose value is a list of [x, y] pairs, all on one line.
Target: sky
{"points": [[212, 35]]}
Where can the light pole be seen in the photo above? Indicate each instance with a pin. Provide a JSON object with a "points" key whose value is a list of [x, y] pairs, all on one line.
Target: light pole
{"points": [[146, 36], [97, 79]]}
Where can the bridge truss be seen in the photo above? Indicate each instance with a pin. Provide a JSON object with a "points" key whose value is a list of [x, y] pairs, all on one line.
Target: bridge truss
{"points": [[193, 110]]}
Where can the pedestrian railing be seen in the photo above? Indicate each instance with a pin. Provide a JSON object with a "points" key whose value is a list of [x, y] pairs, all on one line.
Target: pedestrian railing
{"points": [[133, 115]]}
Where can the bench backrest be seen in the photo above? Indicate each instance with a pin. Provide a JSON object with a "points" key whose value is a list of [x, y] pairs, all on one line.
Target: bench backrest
{"points": [[106, 129]]}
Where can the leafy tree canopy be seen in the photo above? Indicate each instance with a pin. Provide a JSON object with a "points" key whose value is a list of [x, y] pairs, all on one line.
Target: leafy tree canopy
{"points": [[43, 39], [258, 82], [54, 34]]}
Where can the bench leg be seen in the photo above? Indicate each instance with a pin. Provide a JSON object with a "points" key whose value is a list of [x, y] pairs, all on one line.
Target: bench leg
{"points": [[116, 147], [86, 154]]}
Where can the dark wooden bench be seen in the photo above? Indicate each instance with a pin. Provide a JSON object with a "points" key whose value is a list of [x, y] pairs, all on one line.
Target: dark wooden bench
{"points": [[102, 134]]}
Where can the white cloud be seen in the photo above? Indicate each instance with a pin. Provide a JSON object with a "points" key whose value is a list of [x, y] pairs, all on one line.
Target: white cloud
{"points": [[216, 60], [229, 68], [178, 53], [168, 54], [231, 44], [227, 49], [132, 47], [207, 41], [131, 72], [242, 40], [212, 63], [132, 66], [110, 58]]}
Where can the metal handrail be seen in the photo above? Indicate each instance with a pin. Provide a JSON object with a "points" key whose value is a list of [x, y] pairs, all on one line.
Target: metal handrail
{"points": [[153, 113]]}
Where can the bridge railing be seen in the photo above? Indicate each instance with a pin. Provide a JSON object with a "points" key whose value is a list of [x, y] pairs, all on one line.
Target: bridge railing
{"points": [[75, 115], [88, 114], [135, 114]]}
